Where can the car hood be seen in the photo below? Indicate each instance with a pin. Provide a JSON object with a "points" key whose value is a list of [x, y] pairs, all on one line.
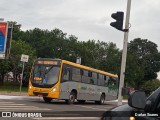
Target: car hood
{"points": [[125, 107]]}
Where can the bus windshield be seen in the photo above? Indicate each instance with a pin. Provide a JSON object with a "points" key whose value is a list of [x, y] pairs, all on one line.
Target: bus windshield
{"points": [[45, 74]]}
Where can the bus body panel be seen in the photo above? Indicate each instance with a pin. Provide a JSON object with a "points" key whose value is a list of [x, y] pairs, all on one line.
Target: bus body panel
{"points": [[86, 91]]}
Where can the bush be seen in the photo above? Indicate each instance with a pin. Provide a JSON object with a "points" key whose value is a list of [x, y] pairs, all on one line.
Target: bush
{"points": [[150, 86]]}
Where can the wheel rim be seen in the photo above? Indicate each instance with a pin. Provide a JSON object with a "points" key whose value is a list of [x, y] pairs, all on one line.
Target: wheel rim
{"points": [[102, 99], [71, 98]]}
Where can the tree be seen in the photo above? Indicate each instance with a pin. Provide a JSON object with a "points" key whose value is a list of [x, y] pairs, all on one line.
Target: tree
{"points": [[134, 73], [150, 86], [56, 44], [100, 55], [47, 43], [143, 61], [17, 32], [4, 68], [111, 60], [19, 48]]}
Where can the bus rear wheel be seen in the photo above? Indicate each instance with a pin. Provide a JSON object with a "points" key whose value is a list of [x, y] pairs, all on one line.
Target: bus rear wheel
{"points": [[47, 100], [72, 98], [101, 101]]}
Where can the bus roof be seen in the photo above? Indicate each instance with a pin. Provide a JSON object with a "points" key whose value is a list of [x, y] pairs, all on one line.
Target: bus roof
{"points": [[88, 68]]}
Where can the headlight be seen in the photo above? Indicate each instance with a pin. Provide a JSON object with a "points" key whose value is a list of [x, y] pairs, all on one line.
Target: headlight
{"points": [[54, 89], [132, 118], [30, 87]]}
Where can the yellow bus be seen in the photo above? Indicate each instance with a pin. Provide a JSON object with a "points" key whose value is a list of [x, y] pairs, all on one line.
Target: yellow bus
{"points": [[65, 80]]}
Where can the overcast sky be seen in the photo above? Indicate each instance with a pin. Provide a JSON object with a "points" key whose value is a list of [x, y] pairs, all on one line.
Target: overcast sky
{"points": [[86, 19]]}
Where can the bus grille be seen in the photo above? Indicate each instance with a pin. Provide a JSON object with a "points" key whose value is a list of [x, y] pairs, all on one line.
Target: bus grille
{"points": [[41, 94]]}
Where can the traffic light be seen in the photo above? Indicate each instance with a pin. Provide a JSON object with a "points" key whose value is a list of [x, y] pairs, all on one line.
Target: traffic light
{"points": [[118, 24]]}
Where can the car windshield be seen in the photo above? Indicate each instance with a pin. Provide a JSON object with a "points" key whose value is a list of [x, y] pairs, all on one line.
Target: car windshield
{"points": [[45, 74]]}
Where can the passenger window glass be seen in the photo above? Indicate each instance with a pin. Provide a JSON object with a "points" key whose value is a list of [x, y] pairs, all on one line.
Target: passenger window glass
{"points": [[101, 80], [76, 74], [85, 77], [94, 78], [112, 83], [106, 80], [66, 74]]}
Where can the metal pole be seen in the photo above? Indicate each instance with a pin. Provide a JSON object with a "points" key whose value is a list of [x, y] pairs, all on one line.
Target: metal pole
{"points": [[21, 79], [9, 43], [124, 54], [10, 40]]}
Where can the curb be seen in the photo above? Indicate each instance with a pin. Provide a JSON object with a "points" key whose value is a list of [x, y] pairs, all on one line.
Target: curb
{"points": [[19, 97]]}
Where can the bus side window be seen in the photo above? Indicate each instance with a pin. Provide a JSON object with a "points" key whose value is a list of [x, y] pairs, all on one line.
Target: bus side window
{"points": [[76, 74], [106, 78], [81, 72], [101, 80], [66, 72], [94, 78], [85, 77], [111, 81]]}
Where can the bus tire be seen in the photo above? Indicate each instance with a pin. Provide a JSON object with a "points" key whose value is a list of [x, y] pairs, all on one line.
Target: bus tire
{"points": [[72, 98], [102, 99], [47, 100], [81, 101]]}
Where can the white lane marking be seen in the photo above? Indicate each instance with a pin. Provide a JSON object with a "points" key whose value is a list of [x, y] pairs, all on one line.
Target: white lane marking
{"points": [[24, 108], [18, 106], [9, 97], [2, 97], [91, 107], [13, 106], [10, 104], [68, 118], [5, 102], [116, 101]]}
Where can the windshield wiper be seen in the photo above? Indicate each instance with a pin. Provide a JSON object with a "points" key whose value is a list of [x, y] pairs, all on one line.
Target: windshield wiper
{"points": [[47, 71]]}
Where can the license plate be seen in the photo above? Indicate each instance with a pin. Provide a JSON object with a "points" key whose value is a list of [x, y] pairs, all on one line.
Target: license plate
{"points": [[39, 95]]}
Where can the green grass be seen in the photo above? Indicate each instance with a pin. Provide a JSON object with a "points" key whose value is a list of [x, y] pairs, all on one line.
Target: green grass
{"points": [[11, 87]]}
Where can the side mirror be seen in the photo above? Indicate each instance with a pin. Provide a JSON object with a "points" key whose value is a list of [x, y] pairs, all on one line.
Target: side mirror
{"points": [[137, 99]]}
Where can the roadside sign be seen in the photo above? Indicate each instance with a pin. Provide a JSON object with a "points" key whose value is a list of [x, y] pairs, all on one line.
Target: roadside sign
{"points": [[3, 38], [78, 60], [24, 58], [2, 55]]}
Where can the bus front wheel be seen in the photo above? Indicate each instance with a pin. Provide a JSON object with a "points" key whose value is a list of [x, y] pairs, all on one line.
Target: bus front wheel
{"points": [[72, 98], [47, 100]]}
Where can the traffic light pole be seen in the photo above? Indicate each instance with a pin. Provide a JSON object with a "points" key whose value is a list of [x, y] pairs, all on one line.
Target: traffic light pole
{"points": [[124, 54]]}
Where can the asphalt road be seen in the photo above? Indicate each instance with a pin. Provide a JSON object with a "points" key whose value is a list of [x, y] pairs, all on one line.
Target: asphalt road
{"points": [[22, 107]]}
